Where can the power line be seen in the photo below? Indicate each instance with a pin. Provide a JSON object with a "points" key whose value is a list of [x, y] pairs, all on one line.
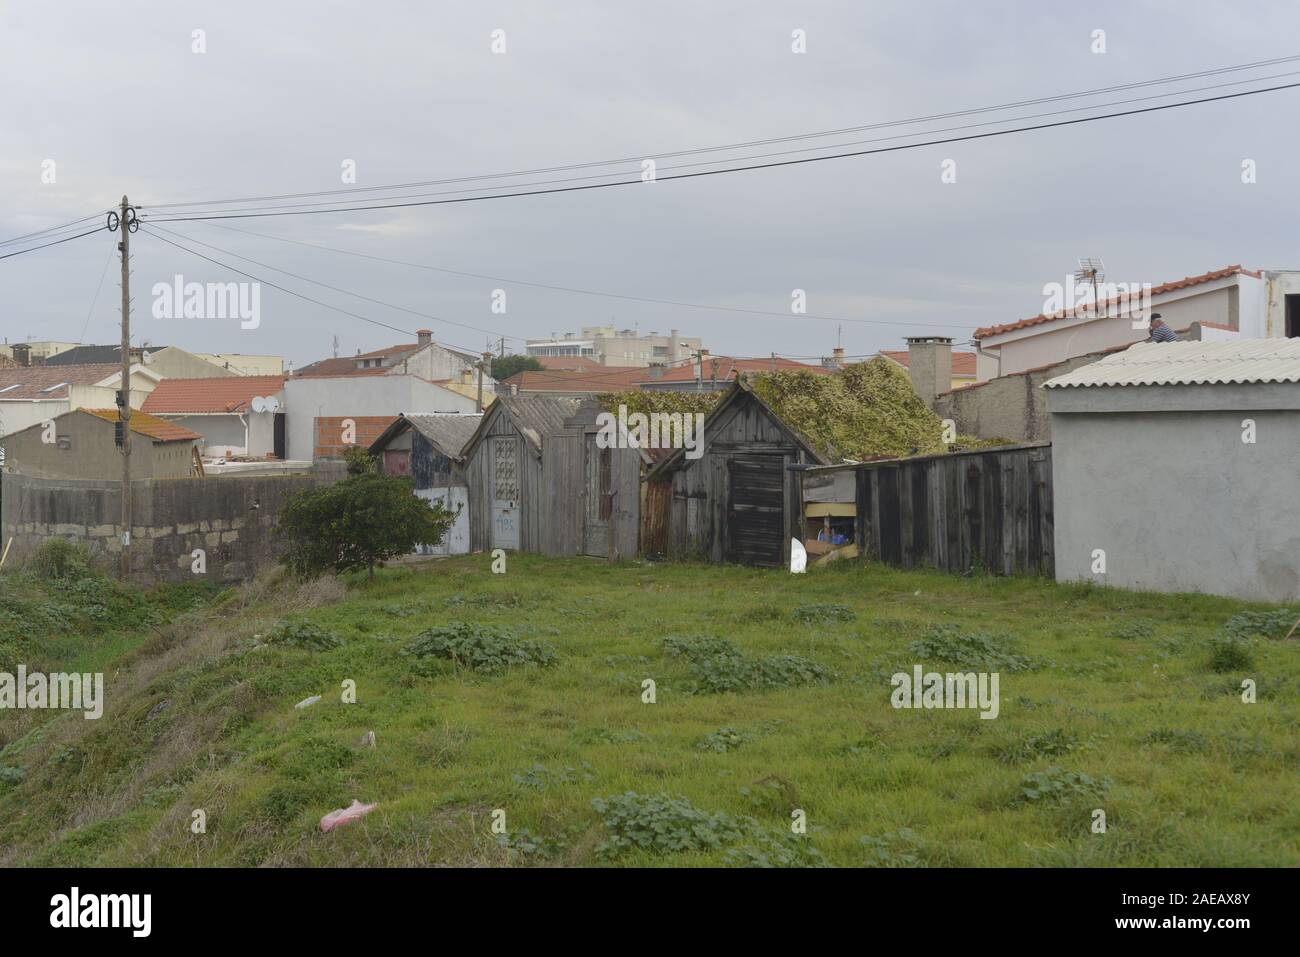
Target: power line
{"points": [[741, 169], [584, 292], [95, 300], [52, 229], [571, 179], [752, 143], [66, 239], [346, 292]]}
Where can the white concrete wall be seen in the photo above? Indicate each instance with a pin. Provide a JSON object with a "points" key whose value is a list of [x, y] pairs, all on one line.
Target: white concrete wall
{"points": [[1279, 285], [1177, 501], [17, 414], [309, 397]]}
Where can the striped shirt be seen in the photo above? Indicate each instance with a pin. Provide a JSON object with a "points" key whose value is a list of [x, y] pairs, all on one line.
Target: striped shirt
{"points": [[1162, 333]]}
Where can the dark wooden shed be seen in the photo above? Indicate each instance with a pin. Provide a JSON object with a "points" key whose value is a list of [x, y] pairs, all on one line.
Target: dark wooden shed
{"points": [[739, 501], [428, 447]]}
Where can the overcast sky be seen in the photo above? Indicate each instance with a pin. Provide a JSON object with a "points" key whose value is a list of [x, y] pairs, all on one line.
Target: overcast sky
{"points": [[412, 91]]}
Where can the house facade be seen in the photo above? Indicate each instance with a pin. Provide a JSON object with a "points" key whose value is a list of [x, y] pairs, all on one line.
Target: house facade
{"points": [[82, 445], [237, 416], [1229, 303]]}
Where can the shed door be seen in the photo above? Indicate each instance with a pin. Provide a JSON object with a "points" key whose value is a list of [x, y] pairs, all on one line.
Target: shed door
{"points": [[397, 461], [599, 499], [505, 491], [756, 510]]}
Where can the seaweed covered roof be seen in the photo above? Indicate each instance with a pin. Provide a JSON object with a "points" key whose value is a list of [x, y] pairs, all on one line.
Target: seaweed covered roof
{"points": [[863, 411]]}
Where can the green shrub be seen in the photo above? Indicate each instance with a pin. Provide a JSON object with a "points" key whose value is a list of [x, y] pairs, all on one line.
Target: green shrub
{"points": [[11, 777], [1054, 784], [478, 647], [358, 523], [303, 634], [991, 652], [1182, 742], [1229, 653], [1134, 630], [60, 559]]}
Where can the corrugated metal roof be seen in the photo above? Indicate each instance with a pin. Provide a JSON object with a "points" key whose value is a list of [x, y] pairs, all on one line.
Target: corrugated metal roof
{"points": [[1191, 363], [539, 415], [449, 431]]}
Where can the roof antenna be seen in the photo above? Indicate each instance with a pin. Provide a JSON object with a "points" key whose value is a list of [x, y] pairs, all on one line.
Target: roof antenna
{"points": [[1091, 270]]}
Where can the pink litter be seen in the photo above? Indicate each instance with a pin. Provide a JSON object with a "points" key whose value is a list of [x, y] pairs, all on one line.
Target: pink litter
{"points": [[345, 814]]}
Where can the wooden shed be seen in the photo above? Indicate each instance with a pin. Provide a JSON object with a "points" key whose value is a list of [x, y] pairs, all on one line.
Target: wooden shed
{"points": [[739, 501], [539, 481], [428, 448]]}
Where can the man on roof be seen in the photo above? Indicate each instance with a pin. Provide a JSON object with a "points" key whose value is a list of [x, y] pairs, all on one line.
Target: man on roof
{"points": [[1160, 331]]}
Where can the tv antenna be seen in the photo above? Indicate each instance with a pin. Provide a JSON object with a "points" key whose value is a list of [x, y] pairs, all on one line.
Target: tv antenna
{"points": [[1091, 271]]}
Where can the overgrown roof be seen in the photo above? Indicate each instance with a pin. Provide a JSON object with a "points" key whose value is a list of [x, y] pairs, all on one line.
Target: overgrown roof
{"points": [[862, 411]]}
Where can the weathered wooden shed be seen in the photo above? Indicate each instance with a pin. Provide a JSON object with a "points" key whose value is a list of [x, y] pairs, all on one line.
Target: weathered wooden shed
{"points": [[540, 482], [739, 500], [503, 465], [428, 447]]}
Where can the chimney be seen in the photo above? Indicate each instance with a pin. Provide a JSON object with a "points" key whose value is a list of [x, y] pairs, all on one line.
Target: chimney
{"points": [[22, 353], [929, 363], [423, 336], [836, 361]]}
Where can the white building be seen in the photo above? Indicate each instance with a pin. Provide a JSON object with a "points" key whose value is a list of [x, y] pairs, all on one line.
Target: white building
{"points": [[1228, 303], [610, 347], [325, 412]]}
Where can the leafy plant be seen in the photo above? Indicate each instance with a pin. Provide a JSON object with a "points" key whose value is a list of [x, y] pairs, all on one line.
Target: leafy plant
{"points": [[525, 843], [1050, 744], [900, 848], [539, 777], [1054, 784], [819, 612], [358, 523], [478, 647], [1261, 624], [718, 666], [1134, 630], [724, 740], [359, 461], [992, 652], [303, 634], [60, 559]]}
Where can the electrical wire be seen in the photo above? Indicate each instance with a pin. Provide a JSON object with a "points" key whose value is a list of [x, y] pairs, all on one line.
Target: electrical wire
{"points": [[759, 142], [66, 239], [740, 169]]}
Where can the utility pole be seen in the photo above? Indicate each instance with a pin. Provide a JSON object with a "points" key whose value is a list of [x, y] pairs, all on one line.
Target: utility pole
{"points": [[482, 367], [124, 404]]}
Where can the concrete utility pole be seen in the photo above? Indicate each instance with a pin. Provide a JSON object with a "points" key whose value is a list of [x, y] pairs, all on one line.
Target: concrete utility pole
{"points": [[124, 409]]}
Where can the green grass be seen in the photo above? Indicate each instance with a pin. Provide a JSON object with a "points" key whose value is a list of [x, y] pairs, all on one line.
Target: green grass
{"points": [[1113, 700]]}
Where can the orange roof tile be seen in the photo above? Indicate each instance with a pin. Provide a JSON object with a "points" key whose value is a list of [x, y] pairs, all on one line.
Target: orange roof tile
{"points": [[1176, 284], [220, 394], [724, 368], [963, 363], [150, 426], [606, 379]]}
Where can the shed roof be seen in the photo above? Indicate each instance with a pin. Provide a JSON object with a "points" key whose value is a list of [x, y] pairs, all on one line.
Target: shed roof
{"points": [[1239, 361], [450, 432], [535, 416], [142, 423]]}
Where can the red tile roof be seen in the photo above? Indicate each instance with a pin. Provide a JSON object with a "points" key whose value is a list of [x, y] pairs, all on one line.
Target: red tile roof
{"points": [[601, 379], [963, 363], [219, 394], [569, 363], [1176, 284], [32, 381], [150, 426], [724, 368]]}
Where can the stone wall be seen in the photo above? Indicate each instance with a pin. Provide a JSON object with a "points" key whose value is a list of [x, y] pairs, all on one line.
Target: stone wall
{"points": [[229, 517]]}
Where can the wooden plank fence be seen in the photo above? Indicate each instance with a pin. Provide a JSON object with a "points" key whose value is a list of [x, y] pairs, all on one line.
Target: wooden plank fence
{"points": [[989, 509]]}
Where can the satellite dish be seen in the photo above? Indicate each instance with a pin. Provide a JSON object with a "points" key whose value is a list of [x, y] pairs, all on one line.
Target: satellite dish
{"points": [[259, 404], [272, 404], [798, 557]]}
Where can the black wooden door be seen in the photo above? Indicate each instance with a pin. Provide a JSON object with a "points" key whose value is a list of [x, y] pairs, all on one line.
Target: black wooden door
{"points": [[756, 510]]}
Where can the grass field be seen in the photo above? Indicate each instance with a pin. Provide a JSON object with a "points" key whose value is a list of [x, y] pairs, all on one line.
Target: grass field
{"points": [[1127, 703]]}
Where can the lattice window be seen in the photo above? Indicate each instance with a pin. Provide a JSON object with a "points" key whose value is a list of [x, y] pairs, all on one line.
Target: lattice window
{"points": [[505, 470]]}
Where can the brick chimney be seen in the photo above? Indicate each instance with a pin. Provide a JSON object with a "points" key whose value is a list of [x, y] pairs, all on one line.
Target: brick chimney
{"points": [[929, 363], [22, 353], [423, 336]]}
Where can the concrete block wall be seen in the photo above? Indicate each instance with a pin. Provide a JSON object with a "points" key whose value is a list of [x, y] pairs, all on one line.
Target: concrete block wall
{"points": [[229, 517]]}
